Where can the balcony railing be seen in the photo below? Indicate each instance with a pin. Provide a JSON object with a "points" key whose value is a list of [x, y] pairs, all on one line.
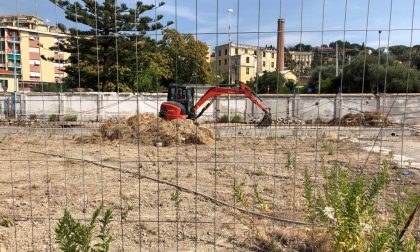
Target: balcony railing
{"points": [[12, 65], [17, 41]]}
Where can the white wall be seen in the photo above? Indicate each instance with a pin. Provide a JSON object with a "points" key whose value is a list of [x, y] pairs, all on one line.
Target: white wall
{"points": [[98, 106]]}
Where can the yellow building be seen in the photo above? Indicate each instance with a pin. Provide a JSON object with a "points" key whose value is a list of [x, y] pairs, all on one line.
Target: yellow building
{"points": [[303, 60], [246, 61], [24, 41]]}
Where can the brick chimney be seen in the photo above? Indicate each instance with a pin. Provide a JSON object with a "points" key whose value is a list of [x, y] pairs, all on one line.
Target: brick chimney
{"points": [[280, 45]]}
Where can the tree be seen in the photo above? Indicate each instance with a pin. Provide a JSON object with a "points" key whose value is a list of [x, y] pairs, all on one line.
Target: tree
{"points": [[187, 58], [95, 49], [371, 79], [269, 82], [301, 47]]}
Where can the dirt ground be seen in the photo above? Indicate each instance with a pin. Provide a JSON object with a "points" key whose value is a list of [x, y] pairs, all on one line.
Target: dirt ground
{"points": [[36, 188]]}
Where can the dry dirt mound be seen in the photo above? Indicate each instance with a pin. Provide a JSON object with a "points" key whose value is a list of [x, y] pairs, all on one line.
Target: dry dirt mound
{"points": [[149, 129], [365, 119]]}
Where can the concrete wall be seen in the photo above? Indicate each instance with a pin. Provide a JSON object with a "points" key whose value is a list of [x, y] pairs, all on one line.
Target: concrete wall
{"points": [[99, 106]]}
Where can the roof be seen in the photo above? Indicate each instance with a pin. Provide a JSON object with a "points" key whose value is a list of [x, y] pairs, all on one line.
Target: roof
{"points": [[20, 15], [5, 72]]}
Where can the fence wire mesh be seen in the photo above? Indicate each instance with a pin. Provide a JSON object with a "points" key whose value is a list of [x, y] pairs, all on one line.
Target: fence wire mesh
{"points": [[83, 126]]}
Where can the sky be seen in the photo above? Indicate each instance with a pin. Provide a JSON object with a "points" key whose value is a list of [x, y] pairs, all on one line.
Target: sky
{"points": [[254, 22]]}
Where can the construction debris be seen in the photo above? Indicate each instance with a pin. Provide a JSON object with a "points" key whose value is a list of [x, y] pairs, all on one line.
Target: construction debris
{"points": [[148, 129], [289, 120], [364, 119]]}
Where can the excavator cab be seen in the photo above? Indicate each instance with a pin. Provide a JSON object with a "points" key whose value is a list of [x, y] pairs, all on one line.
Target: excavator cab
{"points": [[180, 102]]}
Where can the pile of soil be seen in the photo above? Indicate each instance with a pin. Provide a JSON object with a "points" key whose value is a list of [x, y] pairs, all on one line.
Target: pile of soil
{"points": [[365, 119], [148, 129]]}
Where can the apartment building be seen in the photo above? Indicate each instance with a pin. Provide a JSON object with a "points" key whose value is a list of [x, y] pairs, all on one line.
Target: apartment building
{"points": [[246, 61], [28, 47], [302, 60]]}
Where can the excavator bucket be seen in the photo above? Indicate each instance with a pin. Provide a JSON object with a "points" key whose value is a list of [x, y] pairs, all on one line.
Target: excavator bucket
{"points": [[265, 122]]}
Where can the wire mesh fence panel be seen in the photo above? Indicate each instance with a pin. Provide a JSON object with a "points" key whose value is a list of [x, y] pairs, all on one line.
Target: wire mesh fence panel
{"points": [[240, 125]]}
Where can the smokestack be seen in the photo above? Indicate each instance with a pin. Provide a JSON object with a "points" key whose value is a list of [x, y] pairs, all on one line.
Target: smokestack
{"points": [[280, 45]]}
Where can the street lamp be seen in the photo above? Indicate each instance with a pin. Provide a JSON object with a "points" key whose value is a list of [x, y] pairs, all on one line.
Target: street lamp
{"points": [[230, 11], [379, 58], [379, 48]]}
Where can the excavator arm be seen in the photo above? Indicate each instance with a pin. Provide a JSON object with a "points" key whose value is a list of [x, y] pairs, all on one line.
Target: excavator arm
{"points": [[214, 92]]}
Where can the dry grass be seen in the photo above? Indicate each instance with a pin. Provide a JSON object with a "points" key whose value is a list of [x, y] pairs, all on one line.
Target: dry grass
{"points": [[149, 129]]}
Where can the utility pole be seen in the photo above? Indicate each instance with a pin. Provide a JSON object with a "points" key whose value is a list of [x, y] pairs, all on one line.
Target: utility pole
{"points": [[379, 59], [336, 59], [14, 75]]}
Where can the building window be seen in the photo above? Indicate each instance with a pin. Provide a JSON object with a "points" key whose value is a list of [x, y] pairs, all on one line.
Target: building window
{"points": [[220, 53], [255, 52], [56, 64], [246, 50], [58, 75], [220, 62], [4, 84], [272, 64], [263, 54], [263, 63], [272, 55], [247, 59], [236, 51], [247, 70], [225, 61], [226, 51]]}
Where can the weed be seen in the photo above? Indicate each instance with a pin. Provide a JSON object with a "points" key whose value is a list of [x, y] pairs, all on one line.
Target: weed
{"points": [[32, 117], [347, 209], [223, 119], [176, 197], [236, 119], [126, 211], [73, 235], [289, 161], [6, 221], [239, 194], [329, 148], [259, 173], [53, 118], [259, 199]]}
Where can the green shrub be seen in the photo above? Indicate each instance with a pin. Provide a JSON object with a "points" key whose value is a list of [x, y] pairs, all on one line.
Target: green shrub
{"points": [[53, 118], [73, 235], [347, 208], [224, 119], [236, 119], [70, 118]]}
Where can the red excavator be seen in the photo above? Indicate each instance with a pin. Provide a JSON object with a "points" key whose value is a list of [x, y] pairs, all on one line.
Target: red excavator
{"points": [[180, 104]]}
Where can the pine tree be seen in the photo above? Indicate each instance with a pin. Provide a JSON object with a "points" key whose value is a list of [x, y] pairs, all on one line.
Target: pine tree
{"points": [[105, 30]]}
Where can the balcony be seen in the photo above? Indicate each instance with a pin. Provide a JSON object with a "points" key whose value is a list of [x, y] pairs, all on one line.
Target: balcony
{"points": [[11, 56], [18, 71], [10, 64]]}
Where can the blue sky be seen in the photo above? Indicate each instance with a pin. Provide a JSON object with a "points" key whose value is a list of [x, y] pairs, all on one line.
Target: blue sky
{"points": [[302, 24]]}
